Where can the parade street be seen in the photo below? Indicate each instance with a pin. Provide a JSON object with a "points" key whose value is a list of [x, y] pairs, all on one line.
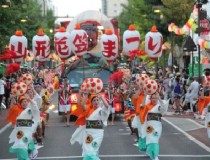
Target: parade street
{"points": [[176, 142]]}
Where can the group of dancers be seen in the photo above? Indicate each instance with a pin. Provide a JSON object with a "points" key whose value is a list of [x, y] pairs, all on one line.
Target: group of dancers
{"points": [[93, 112]]}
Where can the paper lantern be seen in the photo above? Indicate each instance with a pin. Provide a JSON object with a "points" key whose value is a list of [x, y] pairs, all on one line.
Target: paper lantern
{"points": [[109, 45], [141, 78], [19, 88], [26, 78], [41, 46], [62, 43], [153, 43], [92, 85], [131, 40], [150, 86], [79, 41], [18, 43]]}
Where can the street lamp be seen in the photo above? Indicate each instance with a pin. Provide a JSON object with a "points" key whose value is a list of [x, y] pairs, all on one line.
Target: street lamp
{"points": [[5, 3]]}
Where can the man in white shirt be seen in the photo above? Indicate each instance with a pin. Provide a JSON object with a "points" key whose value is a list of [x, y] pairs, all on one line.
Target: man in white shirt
{"points": [[193, 91]]}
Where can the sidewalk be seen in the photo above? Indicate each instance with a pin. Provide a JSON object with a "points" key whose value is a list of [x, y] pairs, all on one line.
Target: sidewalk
{"points": [[191, 127]]}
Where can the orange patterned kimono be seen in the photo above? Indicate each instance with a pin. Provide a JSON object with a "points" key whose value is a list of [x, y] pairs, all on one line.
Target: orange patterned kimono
{"points": [[202, 103]]}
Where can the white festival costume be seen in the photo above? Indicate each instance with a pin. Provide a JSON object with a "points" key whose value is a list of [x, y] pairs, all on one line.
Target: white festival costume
{"points": [[154, 128], [82, 133], [21, 135], [207, 120], [31, 112]]}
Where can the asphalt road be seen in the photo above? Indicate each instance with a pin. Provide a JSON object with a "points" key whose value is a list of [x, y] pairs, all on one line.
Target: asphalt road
{"points": [[118, 144]]}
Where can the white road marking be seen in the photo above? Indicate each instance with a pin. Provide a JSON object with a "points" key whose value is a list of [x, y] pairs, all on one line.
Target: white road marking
{"points": [[198, 124], [5, 127], [202, 145], [39, 146]]}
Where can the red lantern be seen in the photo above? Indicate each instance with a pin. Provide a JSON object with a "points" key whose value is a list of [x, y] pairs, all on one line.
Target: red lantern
{"points": [[18, 43], [41, 46], [153, 43], [109, 45], [62, 43], [131, 40], [79, 41]]}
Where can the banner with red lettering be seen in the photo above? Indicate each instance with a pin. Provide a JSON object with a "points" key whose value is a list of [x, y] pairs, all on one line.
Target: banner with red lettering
{"points": [[153, 43], [109, 45], [18, 43], [41, 46], [79, 41], [131, 40], [62, 43]]}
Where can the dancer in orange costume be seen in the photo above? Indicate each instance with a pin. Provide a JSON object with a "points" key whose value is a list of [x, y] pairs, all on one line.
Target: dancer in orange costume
{"points": [[15, 111], [151, 115], [137, 99], [92, 116], [203, 101]]}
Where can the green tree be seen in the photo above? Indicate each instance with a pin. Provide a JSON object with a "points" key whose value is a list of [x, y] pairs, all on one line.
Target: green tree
{"points": [[24, 9], [141, 14]]}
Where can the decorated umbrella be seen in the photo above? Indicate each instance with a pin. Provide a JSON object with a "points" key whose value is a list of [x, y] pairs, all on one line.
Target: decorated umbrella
{"points": [[92, 85], [131, 40], [62, 43], [153, 43], [18, 43], [19, 89], [26, 78], [109, 45], [141, 79], [79, 41], [150, 86], [41, 46]]}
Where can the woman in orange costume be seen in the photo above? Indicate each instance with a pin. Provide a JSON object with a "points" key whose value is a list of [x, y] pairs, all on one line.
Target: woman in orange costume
{"points": [[92, 116], [153, 113], [15, 110], [138, 98], [203, 101]]}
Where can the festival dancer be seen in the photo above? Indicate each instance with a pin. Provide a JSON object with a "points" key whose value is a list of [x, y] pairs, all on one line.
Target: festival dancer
{"points": [[64, 100], [26, 125], [31, 93], [137, 99], [92, 115], [203, 102], [153, 112]]}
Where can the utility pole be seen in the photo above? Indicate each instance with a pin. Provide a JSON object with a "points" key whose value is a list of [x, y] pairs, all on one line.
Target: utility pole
{"points": [[199, 6]]}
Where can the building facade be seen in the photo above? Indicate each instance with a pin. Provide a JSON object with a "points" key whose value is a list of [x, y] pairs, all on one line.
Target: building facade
{"points": [[112, 8], [46, 5]]}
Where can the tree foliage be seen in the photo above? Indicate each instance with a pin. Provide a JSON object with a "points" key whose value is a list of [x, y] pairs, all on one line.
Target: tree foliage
{"points": [[141, 14], [24, 9]]}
